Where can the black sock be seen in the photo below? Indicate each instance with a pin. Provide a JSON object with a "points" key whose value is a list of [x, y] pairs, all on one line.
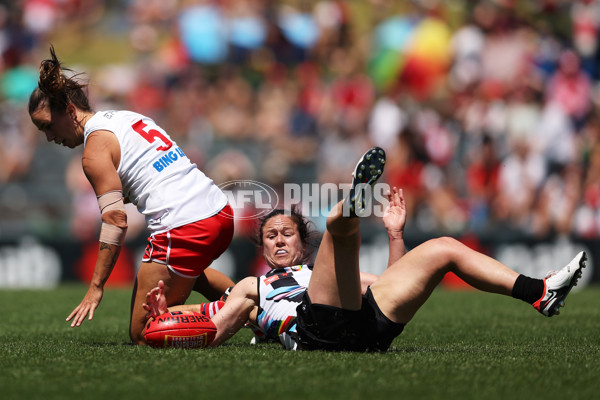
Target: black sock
{"points": [[528, 289]]}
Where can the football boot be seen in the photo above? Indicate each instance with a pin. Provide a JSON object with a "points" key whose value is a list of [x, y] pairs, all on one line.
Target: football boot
{"points": [[558, 284]]}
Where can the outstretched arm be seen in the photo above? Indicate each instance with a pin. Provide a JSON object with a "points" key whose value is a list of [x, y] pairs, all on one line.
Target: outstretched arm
{"points": [[240, 304], [394, 219], [100, 160]]}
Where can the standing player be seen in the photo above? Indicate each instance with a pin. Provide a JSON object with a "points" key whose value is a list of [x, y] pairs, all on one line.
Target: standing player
{"points": [[127, 157], [332, 312]]}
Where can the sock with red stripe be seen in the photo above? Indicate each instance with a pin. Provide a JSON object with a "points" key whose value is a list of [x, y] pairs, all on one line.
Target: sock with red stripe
{"points": [[210, 309]]}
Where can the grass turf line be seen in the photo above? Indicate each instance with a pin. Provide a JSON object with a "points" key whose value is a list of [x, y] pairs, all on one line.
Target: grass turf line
{"points": [[461, 345]]}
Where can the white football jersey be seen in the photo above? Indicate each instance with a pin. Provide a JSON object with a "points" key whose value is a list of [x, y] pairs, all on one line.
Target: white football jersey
{"points": [[166, 187]]}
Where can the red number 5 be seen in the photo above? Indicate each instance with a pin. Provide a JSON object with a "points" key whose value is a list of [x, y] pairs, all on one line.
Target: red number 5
{"points": [[151, 135]]}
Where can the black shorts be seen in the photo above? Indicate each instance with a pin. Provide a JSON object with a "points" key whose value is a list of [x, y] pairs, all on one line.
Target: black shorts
{"points": [[322, 327]]}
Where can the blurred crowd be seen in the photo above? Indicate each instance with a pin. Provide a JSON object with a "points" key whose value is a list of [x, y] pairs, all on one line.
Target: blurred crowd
{"points": [[488, 110]]}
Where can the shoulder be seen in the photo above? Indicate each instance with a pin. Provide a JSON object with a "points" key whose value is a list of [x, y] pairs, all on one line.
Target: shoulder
{"points": [[96, 125], [100, 141], [111, 120], [99, 120], [101, 154]]}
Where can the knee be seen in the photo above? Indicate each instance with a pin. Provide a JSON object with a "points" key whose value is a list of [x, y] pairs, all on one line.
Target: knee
{"points": [[137, 337], [343, 227], [445, 243], [446, 250], [137, 328]]}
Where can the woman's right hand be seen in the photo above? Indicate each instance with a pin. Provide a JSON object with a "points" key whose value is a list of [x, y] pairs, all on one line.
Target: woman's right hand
{"points": [[87, 307]]}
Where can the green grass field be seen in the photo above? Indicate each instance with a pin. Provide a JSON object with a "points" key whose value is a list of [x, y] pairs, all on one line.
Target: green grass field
{"points": [[461, 345]]}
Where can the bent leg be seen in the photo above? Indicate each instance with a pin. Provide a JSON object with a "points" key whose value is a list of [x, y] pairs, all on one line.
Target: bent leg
{"points": [[405, 286], [177, 290], [335, 280], [212, 284]]}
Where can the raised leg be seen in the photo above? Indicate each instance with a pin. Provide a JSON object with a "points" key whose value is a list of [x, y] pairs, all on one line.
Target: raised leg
{"points": [[403, 288], [335, 279]]}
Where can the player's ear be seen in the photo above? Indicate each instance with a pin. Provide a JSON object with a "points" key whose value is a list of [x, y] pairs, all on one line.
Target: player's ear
{"points": [[72, 111]]}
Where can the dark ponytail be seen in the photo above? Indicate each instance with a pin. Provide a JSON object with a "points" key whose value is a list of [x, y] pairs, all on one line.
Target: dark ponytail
{"points": [[56, 89]]}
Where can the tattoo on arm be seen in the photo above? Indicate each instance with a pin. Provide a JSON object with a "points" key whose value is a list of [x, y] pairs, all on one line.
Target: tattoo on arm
{"points": [[113, 254]]}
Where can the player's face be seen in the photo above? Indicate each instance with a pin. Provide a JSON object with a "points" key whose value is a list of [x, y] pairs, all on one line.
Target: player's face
{"points": [[58, 127], [282, 245]]}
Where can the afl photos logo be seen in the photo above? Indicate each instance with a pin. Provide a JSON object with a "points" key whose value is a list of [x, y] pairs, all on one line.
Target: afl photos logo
{"points": [[249, 199]]}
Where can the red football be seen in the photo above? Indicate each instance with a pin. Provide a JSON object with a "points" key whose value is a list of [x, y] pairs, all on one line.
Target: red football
{"points": [[180, 329]]}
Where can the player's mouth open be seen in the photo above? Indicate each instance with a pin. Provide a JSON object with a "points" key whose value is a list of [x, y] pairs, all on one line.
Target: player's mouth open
{"points": [[280, 251]]}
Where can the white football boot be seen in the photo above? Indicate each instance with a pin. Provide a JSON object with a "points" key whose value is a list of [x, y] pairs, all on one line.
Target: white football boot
{"points": [[558, 284]]}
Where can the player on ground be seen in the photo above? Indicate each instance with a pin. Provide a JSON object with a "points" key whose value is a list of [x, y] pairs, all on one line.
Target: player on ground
{"points": [[126, 155], [332, 314]]}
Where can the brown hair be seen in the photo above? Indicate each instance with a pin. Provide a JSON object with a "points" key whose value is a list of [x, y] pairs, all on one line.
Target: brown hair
{"points": [[56, 89]]}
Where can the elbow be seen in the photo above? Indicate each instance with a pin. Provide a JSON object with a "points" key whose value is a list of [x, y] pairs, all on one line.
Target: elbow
{"points": [[116, 218]]}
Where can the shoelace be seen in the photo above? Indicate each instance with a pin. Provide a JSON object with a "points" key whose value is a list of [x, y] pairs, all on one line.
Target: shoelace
{"points": [[551, 273]]}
